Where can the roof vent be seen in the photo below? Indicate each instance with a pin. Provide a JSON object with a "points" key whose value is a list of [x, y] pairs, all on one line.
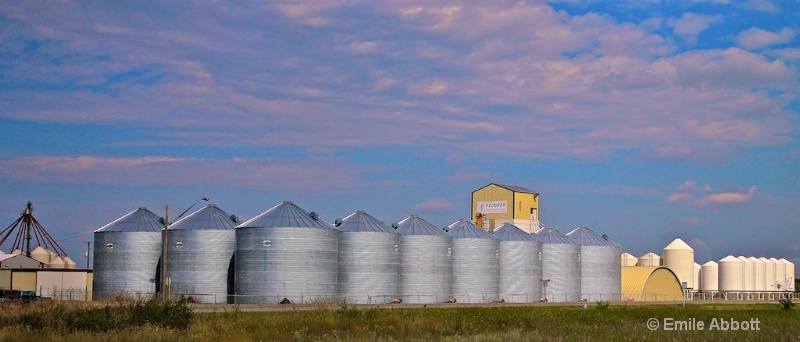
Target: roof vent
{"points": [[313, 216], [337, 222]]}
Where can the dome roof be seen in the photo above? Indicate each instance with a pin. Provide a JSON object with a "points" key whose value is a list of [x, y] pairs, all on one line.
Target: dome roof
{"points": [[587, 237], [209, 217], [463, 229], [510, 232], [286, 214], [551, 235], [414, 225], [139, 220], [360, 221]]}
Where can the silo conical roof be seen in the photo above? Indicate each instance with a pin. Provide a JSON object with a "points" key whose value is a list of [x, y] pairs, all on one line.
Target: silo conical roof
{"points": [[68, 263], [139, 220], [679, 244], [286, 214], [40, 254], [414, 225], [587, 237], [510, 232], [463, 229], [209, 217], [551, 235], [360, 221]]}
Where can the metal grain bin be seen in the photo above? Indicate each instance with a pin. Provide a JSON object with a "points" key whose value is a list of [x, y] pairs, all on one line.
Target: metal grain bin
{"points": [[369, 260], [709, 277], [600, 266], [126, 256], [426, 263], [285, 252], [731, 274], [561, 266], [200, 250], [679, 257], [476, 263], [520, 265]]}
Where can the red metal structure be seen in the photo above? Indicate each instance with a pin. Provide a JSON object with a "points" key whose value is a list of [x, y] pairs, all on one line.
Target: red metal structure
{"points": [[27, 228]]}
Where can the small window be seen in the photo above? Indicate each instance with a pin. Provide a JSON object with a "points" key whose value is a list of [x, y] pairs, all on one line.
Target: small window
{"points": [[109, 246], [179, 244]]}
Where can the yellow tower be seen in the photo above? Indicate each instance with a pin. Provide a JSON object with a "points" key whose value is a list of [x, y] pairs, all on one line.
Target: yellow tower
{"points": [[496, 204]]}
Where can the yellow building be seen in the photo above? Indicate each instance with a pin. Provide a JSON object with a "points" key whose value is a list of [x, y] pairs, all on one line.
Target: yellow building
{"points": [[650, 284], [496, 204]]}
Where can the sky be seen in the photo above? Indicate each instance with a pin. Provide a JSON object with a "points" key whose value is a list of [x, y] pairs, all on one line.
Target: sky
{"points": [[643, 120]]}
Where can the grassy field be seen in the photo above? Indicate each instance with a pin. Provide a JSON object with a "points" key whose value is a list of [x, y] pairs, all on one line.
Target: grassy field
{"points": [[332, 322]]}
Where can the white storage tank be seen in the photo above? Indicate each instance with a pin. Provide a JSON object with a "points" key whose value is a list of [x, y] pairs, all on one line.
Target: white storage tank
{"points": [[369, 260], [791, 275], [627, 259], [679, 257], [561, 266], [696, 274], [769, 274], [476, 263], [40, 254], [426, 262], [520, 265], [600, 272], [747, 273], [782, 274], [709, 277], [759, 270], [731, 274], [126, 255], [200, 250], [286, 252], [649, 259], [779, 273]]}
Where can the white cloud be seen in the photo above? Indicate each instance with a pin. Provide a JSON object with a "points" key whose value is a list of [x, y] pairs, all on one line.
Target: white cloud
{"points": [[694, 194], [756, 38], [433, 205], [689, 25]]}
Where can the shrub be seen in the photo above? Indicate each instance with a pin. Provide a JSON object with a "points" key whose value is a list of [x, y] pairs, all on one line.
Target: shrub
{"points": [[786, 303]]}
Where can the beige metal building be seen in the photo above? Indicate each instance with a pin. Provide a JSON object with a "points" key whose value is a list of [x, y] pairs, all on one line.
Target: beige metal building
{"points": [[22, 273], [650, 284], [496, 204]]}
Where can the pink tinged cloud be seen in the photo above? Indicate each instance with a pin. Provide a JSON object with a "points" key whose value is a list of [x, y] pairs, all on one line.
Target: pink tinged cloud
{"points": [[756, 38], [433, 205], [692, 193]]}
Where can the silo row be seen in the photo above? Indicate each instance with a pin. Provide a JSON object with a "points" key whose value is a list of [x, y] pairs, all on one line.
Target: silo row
{"points": [[287, 253], [748, 274]]}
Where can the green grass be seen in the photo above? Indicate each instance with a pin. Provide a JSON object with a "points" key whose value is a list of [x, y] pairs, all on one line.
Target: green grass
{"points": [[503, 323]]}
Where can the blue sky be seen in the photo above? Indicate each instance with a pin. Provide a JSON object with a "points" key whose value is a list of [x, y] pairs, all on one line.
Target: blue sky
{"points": [[644, 120]]}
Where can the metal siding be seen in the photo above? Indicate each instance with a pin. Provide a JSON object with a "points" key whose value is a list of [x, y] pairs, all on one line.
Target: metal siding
{"points": [[493, 192], [5, 279], [426, 268], [24, 280], [600, 273], [520, 270], [199, 267], [650, 283], [561, 264], [128, 266], [369, 266], [299, 264], [476, 268]]}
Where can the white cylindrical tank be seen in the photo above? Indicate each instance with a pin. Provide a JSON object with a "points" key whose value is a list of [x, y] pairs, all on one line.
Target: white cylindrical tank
{"points": [[628, 259], [769, 274], [747, 273], [649, 259], [782, 275], [731, 274], [790, 273], [696, 273], [778, 268], [709, 277], [759, 268], [679, 257]]}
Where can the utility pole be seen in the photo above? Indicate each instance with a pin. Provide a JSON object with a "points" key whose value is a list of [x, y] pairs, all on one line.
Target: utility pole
{"points": [[88, 252]]}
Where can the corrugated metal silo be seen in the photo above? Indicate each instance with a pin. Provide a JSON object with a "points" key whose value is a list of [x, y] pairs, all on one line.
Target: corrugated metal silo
{"points": [[747, 273], [520, 265], [561, 266], [426, 262], [476, 263], [285, 252], [679, 257], [628, 259], [769, 274], [709, 277], [649, 259], [600, 270], [731, 274], [126, 255], [369, 260], [200, 250], [759, 269]]}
